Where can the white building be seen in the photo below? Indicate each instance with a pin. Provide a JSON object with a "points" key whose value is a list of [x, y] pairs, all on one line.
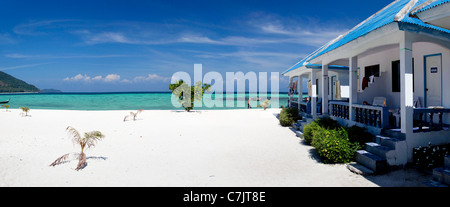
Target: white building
{"points": [[398, 61]]}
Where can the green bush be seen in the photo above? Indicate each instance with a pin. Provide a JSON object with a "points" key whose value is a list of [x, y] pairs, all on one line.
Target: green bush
{"points": [[359, 135], [328, 123], [288, 116], [308, 131], [333, 145]]}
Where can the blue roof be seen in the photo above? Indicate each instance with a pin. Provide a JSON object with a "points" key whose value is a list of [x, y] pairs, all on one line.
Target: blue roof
{"points": [[428, 5], [383, 17], [333, 67]]}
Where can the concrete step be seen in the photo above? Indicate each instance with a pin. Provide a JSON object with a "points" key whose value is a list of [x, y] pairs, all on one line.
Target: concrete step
{"points": [[379, 150], [442, 175], [387, 141], [447, 162], [371, 161], [398, 155], [296, 126], [385, 152], [299, 134], [433, 183], [359, 169]]}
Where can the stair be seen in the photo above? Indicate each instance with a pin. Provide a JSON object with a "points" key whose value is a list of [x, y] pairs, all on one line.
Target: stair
{"points": [[371, 161], [381, 155], [441, 175]]}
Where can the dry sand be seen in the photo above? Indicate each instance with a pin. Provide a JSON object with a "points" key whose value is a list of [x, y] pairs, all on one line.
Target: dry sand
{"points": [[170, 148]]}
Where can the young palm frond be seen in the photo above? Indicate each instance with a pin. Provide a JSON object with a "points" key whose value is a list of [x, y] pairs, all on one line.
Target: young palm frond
{"points": [[132, 114], [135, 114], [60, 160]]}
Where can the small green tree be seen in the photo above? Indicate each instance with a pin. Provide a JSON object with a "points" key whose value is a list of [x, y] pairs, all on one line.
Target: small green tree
{"points": [[6, 106], [188, 94], [25, 109], [265, 104]]}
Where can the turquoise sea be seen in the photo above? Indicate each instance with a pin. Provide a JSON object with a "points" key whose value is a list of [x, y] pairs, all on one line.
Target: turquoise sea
{"points": [[126, 101]]}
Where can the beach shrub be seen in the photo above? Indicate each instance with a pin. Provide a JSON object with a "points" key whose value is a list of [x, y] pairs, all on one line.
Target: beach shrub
{"points": [[308, 131], [288, 116], [328, 123], [333, 145], [359, 135], [188, 94], [324, 122], [25, 109], [6, 106]]}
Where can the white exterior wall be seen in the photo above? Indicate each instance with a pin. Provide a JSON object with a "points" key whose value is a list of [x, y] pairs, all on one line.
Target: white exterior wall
{"points": [[421, 49], [383, 84]]}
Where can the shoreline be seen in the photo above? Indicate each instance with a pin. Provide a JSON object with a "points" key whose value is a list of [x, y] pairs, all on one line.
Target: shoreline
{"points": [[170, 148]]}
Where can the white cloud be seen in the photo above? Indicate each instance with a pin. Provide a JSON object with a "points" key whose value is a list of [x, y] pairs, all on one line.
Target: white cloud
{"points": [[104, 37], [59, 56], [112, 78], [78, 77], [115, 78], [39, 27], [198, 39], [86, 78], [99, 77], [150, 77]]}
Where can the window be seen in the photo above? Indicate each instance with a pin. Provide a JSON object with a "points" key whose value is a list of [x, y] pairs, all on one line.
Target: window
{"points": [[372, 70], [396, 75]]}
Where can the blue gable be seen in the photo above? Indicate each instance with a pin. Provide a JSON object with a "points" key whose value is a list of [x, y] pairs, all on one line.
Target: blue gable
{"points": [[383, 17]]}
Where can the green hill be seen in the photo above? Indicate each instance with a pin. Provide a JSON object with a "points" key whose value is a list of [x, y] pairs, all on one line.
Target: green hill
{"points": [[9, 84]]}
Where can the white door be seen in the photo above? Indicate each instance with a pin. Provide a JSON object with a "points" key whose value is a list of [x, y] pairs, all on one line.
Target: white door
{"points": [[433, 84]]}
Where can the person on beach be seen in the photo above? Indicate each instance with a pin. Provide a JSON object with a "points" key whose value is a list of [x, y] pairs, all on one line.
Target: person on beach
{"points": [[249, 106]]}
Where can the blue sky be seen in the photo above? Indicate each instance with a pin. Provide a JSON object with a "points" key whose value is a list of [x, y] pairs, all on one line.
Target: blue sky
{"points": [[115, 45]]}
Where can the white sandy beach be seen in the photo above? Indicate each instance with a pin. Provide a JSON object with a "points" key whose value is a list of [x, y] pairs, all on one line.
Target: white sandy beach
{"points": [[170, 148]]}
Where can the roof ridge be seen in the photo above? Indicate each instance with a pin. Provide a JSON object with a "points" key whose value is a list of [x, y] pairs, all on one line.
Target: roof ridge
{"points": [[421, 6], [405, 10]]}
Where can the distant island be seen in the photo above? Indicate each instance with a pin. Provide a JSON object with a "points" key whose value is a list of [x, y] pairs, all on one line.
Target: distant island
{"points": [[51, 90], [10, 84]]}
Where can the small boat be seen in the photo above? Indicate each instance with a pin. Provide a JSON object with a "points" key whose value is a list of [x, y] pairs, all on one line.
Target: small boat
{"points": [[5, 102]]}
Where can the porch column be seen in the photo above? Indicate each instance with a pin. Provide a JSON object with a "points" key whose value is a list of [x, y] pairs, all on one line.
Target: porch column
{"points": [[313, 94], [406, 84], [325, 89], [300, 90], [353, 83], [289, 89]]}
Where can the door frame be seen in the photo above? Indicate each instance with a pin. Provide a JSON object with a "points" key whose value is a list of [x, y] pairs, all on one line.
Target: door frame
{"points": [[332, 86], [425, 77]]}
